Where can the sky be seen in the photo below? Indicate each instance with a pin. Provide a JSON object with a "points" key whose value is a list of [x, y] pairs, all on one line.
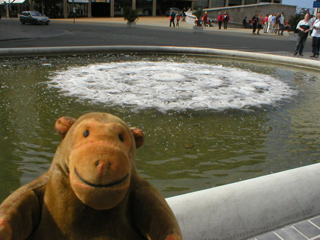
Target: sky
{"points": [[299, 3]]}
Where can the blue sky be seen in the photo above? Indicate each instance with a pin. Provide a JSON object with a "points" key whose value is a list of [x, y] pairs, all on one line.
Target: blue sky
{"points": [[299, 3]]}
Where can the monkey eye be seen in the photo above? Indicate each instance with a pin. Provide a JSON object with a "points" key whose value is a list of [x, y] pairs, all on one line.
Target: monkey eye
{"points": [[121, 137], [86, 133]]}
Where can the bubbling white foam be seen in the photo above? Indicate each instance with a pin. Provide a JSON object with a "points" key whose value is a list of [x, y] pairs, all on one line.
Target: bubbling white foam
{"points": [[171, 86]]}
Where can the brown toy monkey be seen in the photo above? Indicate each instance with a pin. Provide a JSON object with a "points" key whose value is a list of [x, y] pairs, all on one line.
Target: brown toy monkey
{"points": [[91, 191]]}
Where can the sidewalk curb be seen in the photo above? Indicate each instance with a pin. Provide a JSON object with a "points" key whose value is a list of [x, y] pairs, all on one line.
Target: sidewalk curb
{"points": [[268, 58]]}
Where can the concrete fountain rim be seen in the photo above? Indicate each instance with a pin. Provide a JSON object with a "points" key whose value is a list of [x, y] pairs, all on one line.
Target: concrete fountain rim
{"points": [[261, 57]]}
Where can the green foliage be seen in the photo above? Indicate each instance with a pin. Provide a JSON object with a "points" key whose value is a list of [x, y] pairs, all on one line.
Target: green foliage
{"points": [[293, 22], [130, 14], [199, 13]]}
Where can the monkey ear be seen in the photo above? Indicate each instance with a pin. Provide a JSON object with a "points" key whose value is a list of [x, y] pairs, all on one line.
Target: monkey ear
{"points": [[138, 136], [63, 125]]}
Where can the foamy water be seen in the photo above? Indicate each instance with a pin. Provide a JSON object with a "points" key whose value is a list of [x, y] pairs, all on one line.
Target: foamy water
{"points": [[171, 86]]}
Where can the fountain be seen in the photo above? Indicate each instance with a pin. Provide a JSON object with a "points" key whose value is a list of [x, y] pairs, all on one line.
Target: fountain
{"points": [[171, 86]]}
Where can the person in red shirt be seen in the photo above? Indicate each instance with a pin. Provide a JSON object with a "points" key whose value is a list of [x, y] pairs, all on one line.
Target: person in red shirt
{"points": [[220, 19], [265, 23], [205, 19]]}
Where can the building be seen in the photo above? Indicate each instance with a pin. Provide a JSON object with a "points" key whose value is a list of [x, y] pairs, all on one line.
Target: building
{"points": [[237, 13], [227, 3], [111, 8]]}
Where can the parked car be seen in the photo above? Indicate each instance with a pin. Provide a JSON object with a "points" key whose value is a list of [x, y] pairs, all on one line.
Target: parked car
{"points": [[176, 10], [33, 17]]}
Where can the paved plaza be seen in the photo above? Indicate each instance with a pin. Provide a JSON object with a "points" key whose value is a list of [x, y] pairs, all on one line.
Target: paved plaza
{"points": [[149, 31]]}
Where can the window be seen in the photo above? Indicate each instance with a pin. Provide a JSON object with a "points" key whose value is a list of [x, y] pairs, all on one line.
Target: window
{"points": [[235, 2]]}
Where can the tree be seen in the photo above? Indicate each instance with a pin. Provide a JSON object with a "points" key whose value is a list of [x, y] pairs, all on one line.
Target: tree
{"points": [[293, 22], [199, 14], [130, 14]]}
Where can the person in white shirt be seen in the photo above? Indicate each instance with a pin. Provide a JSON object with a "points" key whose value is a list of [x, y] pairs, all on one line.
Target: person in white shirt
{"points": [[305, 26], [281, 24], [270, 27], [316, 37]]}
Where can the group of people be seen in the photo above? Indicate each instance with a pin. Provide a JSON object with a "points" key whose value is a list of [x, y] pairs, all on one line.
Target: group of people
{"points": [[176, 17], [173, 17], [305, 26], [204, 21], [223, 18], [276, 24], [270, 23]]}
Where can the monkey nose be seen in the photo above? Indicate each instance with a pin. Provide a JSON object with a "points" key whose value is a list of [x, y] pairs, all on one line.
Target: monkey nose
{"points": [[103, 166]]}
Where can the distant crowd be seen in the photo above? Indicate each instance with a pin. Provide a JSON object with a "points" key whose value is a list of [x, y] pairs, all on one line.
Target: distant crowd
{"points": [[270, 23], [273, 23], [276, 24]]}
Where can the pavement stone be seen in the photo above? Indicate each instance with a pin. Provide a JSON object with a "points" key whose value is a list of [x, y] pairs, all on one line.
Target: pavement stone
{"points": [[308, 229], [305, 230]]}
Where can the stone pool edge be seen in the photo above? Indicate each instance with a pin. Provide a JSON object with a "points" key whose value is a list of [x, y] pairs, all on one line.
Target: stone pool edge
{"points": [[53, 51], [249, 208]]}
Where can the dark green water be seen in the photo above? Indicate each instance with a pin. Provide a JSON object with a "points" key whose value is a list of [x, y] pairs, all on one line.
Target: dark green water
{"points": [[184, 151]]}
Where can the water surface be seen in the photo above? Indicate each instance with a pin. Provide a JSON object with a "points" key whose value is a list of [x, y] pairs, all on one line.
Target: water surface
{"points": [[187, 148]]}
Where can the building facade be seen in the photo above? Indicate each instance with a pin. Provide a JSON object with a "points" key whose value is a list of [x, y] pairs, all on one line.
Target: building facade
{"points": [[111, 8], [230, 3]]}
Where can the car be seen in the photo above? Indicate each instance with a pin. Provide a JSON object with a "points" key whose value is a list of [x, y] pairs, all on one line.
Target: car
{"points": [[176, 10], [33, 17]]}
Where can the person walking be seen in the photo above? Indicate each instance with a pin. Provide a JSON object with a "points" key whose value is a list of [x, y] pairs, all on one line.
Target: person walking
{"points": [[226, 19], [260, 22], [245, 23], [178, 20], [254, 22], [172, 18], [276, 23], [305, 26], [273, 22], [281, 24], [205, 19], [265, 23], [184, 14], [316, 37], [220, 19], [270, 27]]}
